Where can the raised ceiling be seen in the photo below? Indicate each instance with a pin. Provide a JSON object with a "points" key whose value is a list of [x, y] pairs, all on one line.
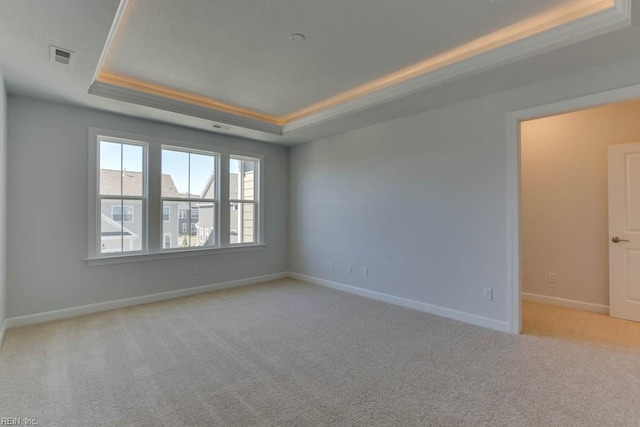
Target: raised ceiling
{"points": [[232, 62], [239, 52]]}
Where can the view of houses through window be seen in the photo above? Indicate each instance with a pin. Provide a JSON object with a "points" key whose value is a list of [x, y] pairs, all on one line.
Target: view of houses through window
{"points": [[242, 199], [121, 195], [189, 198]]}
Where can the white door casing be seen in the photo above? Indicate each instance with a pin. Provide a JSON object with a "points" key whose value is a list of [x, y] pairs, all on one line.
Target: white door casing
{"points": [[624, 231]]}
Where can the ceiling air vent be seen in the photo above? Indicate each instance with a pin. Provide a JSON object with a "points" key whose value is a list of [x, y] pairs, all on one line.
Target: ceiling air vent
{"points": [[62, 56]]}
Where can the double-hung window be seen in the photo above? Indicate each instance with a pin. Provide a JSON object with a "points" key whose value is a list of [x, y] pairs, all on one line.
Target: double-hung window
{"points": [[164, 198], [243, 209], [189, 182], [121, 196]]}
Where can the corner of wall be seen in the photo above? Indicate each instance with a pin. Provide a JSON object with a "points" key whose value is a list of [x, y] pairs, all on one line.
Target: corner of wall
{"points": [[3, 208]]}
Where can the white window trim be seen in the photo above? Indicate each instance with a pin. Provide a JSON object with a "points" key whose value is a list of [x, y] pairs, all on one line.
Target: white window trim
{"points": [[256, 201], [164, 240], [184, 228], [169, 217], [189, 200], [182, 211], [153, 221]]}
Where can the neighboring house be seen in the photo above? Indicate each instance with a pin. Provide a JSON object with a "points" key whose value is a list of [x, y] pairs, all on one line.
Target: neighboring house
{"points": [[187, 221], [129, 212], [114, 236], [181, 227], [241, 220]]}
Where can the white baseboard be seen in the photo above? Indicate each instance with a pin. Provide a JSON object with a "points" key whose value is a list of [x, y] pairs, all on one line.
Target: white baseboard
{"points": [[462, 316], [128, 302], [563, 302], [3, 330]]}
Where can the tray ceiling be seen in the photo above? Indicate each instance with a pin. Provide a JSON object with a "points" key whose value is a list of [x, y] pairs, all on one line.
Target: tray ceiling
{"points": [[240, 52], [231, 64]]}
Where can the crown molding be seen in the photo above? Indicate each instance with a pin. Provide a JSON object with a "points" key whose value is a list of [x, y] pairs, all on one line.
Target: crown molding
{"points": [[520, 41], [611, 19], [125, 94]]}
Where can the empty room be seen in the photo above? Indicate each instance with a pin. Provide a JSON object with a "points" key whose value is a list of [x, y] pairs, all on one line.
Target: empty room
{"points": [[301, 213]]}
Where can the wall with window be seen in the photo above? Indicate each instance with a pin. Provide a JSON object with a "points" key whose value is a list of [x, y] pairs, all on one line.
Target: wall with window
{"points": [[421, 201], [48, 179], [3, 204]]}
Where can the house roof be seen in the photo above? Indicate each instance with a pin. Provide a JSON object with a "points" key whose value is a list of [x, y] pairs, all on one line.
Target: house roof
{"points": [[109, 227], [132, 183]]}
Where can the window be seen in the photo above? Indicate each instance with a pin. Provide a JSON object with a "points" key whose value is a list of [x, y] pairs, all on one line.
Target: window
{"points": [[189, 178], [149, 196], [117, 213], [242, 199], [121, 196]]}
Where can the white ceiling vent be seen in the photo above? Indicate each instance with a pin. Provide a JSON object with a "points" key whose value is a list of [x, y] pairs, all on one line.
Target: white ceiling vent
{"points": [[62, 56]]}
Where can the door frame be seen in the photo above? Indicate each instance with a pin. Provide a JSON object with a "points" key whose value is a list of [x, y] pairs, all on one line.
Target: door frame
{"points": [[514, 278]]}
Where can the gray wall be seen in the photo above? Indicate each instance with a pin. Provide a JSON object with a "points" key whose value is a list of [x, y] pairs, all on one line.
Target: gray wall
{"points": [[422, 201], [3, 202], [47, 200]]}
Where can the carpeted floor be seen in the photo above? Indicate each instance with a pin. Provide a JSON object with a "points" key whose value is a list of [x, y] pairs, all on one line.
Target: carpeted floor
{"points": [[289, 353], [545, 320]]}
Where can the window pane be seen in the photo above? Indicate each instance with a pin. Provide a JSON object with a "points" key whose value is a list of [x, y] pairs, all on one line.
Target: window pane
{"points": [[175, 174], [205, 227], [202, 176], [171, 224], [121, 169], [242, 228], [242, 178], [121, 225], [132, 182], [110, 168]]}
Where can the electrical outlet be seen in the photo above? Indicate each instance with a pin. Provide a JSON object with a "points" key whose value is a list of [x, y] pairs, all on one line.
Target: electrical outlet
{"points": [[349, 269], [365, 271], [194, 269], [551, 278], [487, 293], [330, 265]]}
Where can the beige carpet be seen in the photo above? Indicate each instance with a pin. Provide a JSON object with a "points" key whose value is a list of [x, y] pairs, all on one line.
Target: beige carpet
{"points": [[289, 353], [552, 321]]}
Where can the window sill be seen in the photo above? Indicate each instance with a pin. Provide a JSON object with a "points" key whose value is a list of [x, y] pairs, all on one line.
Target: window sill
{"points": [[157, 256]]}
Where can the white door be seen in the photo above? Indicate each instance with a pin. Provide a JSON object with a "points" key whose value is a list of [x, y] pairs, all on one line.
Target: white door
{"points": [[624, 231]]}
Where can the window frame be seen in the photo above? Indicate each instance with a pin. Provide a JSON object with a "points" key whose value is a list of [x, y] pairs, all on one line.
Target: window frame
{"points": [[168, 216], [255, 201], [190, 201], [153, 239]]}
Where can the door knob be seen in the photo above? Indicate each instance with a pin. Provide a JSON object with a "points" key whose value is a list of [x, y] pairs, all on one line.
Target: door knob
{"points": [[618, 240]]}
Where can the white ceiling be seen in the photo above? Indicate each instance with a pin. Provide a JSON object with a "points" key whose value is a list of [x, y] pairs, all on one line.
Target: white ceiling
{"points": [[239, 51]]}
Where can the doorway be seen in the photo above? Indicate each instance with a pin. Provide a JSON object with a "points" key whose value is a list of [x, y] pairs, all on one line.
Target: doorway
{"points": [[565, 217], [518, 121]]}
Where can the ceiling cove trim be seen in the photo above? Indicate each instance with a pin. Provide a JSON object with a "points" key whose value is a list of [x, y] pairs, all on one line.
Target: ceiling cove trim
{"points": [[599, 21], [127, 94], [533, 36], [141, 86]]}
